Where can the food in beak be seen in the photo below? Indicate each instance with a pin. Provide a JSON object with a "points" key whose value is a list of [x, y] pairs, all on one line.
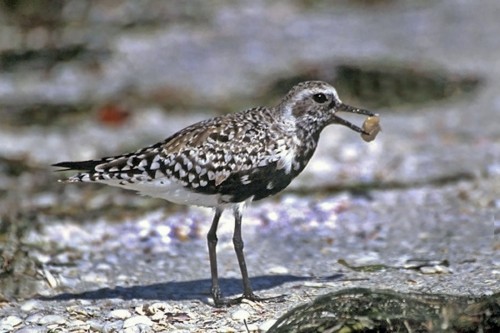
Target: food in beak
{"points": [[371, 127]]}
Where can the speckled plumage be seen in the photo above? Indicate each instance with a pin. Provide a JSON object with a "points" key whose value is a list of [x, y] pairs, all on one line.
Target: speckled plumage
{"points": [[227, 160]]}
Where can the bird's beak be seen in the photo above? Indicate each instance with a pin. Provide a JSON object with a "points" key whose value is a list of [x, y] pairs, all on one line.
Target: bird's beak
{"points": [[346, 108]]}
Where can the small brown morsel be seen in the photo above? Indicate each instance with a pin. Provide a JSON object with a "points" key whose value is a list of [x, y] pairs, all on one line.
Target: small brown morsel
{"points": [[372, 127]]}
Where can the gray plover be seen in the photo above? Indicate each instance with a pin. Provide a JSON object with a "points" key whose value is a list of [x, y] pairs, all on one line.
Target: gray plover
{"points": [[228, 161]]}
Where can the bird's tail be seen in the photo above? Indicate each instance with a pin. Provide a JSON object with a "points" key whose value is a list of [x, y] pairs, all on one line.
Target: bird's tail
{"points": [[88, 168]]}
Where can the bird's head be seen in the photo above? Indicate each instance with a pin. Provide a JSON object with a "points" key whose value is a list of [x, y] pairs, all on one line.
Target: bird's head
{"points": [[316, 104]]}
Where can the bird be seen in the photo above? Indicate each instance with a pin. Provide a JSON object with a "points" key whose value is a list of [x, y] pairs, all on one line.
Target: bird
{"points": [[228, 161]]}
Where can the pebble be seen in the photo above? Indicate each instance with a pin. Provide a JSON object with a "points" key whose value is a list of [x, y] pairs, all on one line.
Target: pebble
{"points": [[94, 277], [158, 316], [96, 325], [34, 318], [277, 270], [35, 329], [30, 305], [11, 321], [79, 325], [314, 284], [103, 266], [160, 307], [84, 302], [52, 319], [136, 320], [240, 315], [436, 269], [110, 326], [226, 329], [120, 314]]}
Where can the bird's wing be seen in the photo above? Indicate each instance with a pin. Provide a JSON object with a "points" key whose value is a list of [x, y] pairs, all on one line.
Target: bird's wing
{"points": [[202, 155]]}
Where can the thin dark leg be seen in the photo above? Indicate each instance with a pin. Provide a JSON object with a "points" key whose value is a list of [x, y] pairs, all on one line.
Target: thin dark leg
{"points": [[212, 244], [238, 248]]}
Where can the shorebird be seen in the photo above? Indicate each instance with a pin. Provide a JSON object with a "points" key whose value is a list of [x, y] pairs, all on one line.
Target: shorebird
{"points": [[227, 161]]}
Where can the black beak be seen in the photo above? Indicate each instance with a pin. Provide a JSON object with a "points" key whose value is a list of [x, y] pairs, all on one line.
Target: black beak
{"points": [[346, 108]]}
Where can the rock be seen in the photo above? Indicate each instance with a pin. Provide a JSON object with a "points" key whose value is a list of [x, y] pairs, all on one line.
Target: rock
{"points": [[120, 314], [278, 270], [30, 305], [78, 325], [160, 307], [35, 329], [240, 315], [137, 320], [52, 319], [110, 326], [97, 325], [436, 269], [34, 318], [11, 321]]}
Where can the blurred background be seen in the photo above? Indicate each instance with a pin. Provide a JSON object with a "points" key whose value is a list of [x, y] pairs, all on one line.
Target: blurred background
{"points": [[81, 79]]}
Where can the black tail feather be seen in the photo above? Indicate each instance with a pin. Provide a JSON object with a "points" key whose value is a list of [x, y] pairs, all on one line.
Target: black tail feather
{"points": [[79, 165]]}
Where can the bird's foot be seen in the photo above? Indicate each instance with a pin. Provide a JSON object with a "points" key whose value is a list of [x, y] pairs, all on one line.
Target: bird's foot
{"points": [[226, 302], [254, 298]]}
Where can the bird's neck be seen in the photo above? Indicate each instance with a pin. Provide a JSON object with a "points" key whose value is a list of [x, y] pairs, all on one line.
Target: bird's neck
{"points": [[309, 137]]}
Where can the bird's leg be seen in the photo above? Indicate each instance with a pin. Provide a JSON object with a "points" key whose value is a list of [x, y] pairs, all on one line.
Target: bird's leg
{"points": [[238, 248], [212, 244]]}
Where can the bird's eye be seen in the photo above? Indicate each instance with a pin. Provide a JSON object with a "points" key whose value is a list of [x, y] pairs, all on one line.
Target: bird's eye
{"points": [[320, 98]]}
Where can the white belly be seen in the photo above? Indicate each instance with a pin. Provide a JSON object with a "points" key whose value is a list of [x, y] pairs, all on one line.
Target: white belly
{"points": [[172, 191]]}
